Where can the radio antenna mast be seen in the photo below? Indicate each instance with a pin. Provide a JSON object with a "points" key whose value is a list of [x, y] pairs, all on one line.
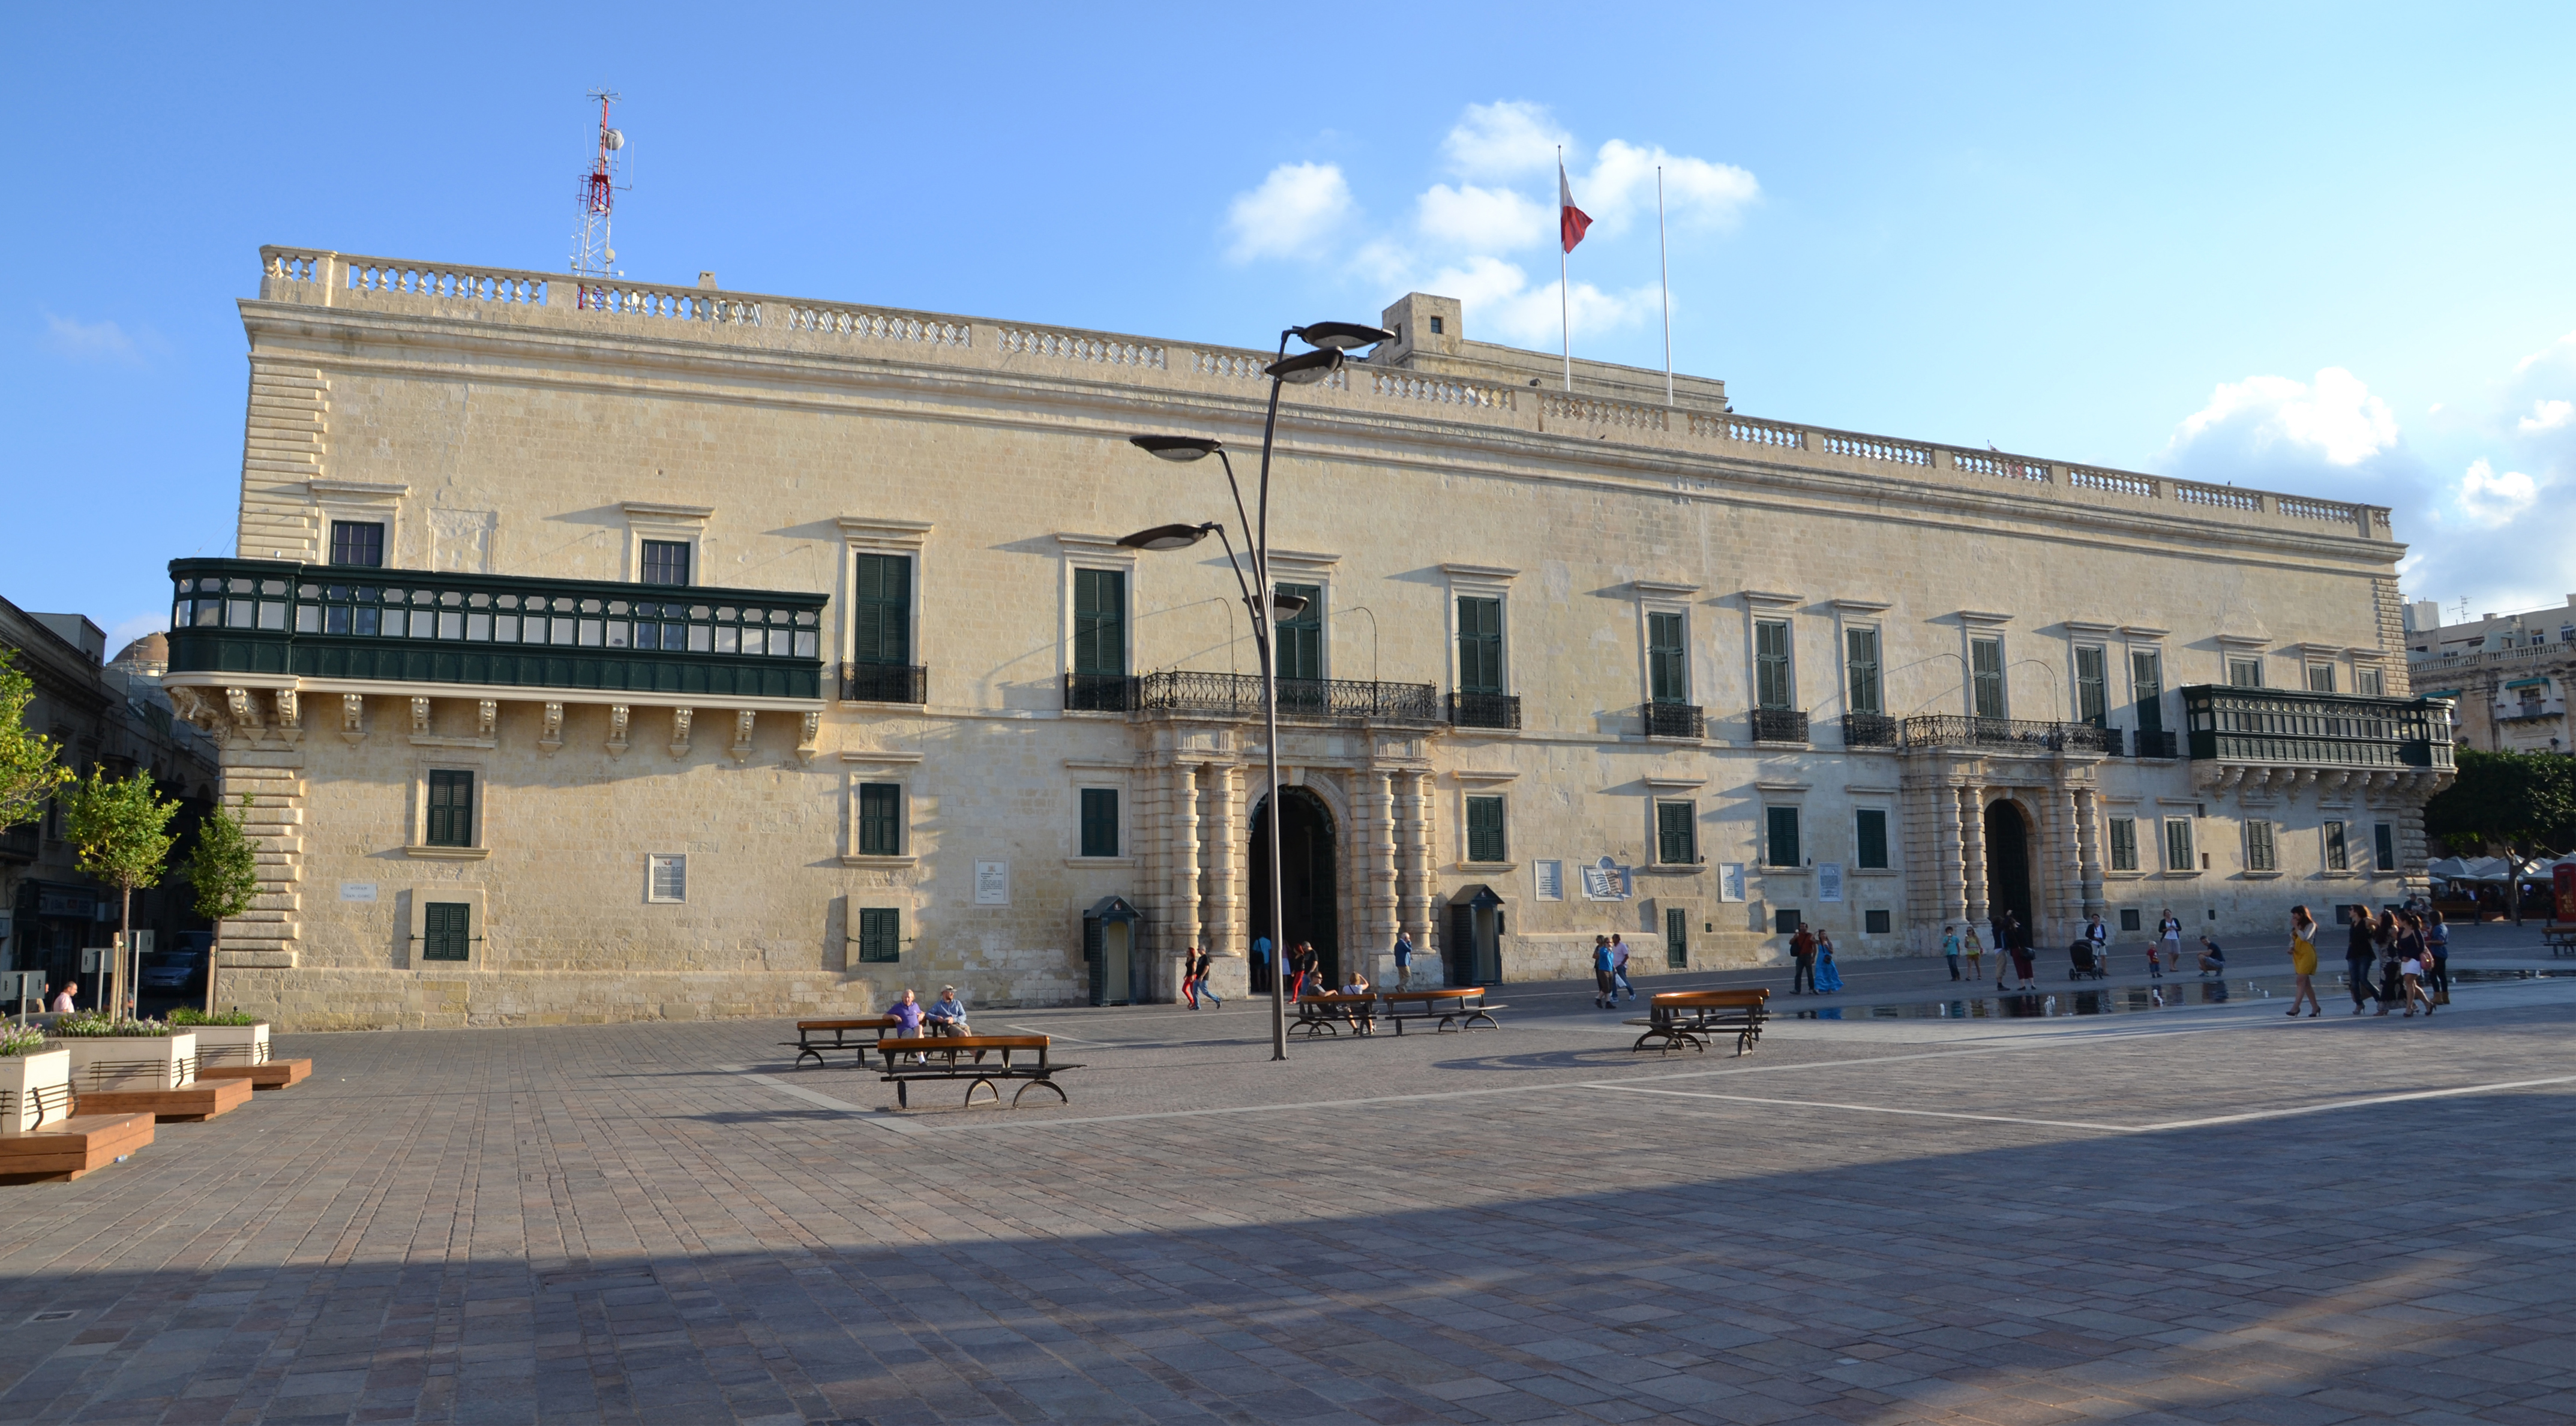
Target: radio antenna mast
{"points": [[593, 253]]}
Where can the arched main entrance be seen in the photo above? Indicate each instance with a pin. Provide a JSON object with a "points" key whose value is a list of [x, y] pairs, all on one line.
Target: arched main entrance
{"points": [[2008, 864], [1306, 868]]}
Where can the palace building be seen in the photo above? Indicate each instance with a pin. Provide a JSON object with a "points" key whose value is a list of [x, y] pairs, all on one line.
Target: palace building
{"points": [[614, 652]]}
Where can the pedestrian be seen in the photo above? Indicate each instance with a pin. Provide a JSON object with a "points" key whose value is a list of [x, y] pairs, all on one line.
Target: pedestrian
{"points": [[2383, 940], [2168, 936], [1977, 955], [947, 1014], [1950, 947], [2358, 953], [2213, 957], [1604, 988], [1190, 976], [2100, 937], [1308, 967], [1802, 951], [1619, 968], [2410, 967], [907, 1021], [1828, 979], [2017, 936], [1261, 961], [1403, 960], [63, 997], [2303, 961], [2437, 942]]}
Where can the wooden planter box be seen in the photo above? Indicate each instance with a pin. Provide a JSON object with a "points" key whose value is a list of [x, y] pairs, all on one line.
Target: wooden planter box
{"points": [[231, 1045], [140, 1062], [35, 1090]]}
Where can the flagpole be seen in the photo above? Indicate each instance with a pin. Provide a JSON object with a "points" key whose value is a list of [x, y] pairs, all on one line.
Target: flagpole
{"points": [[1664, 263], [1564, 301]]}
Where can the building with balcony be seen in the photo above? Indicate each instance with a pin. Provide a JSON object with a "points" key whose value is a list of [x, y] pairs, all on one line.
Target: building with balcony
{"points": [[2506, 676], [633, 651]]}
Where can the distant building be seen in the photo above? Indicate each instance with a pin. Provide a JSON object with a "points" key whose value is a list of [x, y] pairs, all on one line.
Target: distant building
{"points": [[2506, 674]]}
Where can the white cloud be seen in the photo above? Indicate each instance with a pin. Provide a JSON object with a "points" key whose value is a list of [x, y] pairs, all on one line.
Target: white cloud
{"points": [[1483, 219], [1503, 302], [1291, 214], [2274, 420], [2493, 500], [100, 341], [2547, 416], [1504, 140], [1621, 189]]}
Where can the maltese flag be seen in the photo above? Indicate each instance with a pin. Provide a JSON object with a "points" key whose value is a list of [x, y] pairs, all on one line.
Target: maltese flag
{"points": [[1570, 220]]}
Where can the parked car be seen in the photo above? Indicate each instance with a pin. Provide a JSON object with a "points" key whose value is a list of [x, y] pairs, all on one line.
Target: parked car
{"points": [[174, 970]]}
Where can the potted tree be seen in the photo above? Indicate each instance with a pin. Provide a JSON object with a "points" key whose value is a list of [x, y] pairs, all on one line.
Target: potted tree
{"points": [[141, 1067], [223, 875], [120, 828]]}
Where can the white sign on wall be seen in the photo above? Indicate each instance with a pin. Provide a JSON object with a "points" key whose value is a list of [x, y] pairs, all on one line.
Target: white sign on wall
{"points": [[1605, 880], [357, 891], [1730, 881], [992, 883], [1829, 881], [1550, 880]]}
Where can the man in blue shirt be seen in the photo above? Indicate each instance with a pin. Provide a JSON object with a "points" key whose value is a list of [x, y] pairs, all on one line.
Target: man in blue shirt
{"points": [[1261, 955], [1403, 960], [1604, 996]]}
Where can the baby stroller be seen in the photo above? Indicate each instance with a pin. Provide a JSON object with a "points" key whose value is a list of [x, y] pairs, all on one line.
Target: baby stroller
{"points": [[2088, 965]]}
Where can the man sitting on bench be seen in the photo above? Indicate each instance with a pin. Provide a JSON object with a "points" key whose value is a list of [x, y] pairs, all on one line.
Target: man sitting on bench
{"points": [[907, 1019], [946, 1015]]}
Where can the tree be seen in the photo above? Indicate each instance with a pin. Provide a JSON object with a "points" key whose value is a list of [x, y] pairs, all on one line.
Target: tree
{"points": [[2522, 801], [31, 769], [223, 868], [120, 827]]}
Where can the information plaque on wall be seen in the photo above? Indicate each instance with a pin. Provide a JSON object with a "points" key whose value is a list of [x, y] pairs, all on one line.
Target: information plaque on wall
{"points": [[992, 883]]}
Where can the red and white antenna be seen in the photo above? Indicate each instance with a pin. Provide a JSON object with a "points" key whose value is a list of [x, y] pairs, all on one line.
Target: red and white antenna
{"points": [[593, 254]]}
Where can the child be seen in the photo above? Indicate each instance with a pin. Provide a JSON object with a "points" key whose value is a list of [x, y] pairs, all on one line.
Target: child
{"points": [[1976, 953]]}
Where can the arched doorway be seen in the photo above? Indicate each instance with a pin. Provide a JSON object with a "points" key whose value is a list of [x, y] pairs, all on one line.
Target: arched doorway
{"points": [[1306, 868], [2008, 864]]}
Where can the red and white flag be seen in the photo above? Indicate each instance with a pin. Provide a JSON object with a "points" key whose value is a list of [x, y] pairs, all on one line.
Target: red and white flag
{"points": [[1570, 220]]}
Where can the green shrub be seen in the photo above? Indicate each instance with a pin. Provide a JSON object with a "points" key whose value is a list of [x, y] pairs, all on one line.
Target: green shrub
{"points": [[94, 1025], [184, 1017], [16, 1040]]}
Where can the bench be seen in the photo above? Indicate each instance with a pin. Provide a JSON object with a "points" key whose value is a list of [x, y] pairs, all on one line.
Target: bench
{"points": [[1693, 1017], [1327, 1011], [65, 1149], [1459, 1009], [940, 1061], [807, 1040], [2560, 937]]}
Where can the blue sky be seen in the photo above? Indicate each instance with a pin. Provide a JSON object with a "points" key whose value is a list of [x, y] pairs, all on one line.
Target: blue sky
{"points": [[2317, 248]]}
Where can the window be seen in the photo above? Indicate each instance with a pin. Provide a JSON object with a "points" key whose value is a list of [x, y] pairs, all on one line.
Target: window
{"points": [[665, 562], [1786, 921], [2369, 683], [1986, 677], [1771, 681], [1876, 922], [1100, 621], [1435, 326], [358, 542], [1780, 847], [1869, 829], [881, 610], [1677, 938], [880, 819], [2178, 844], [2245, 673], [451, 808], [1667, 664], [447, 930], [2321, 678], [2383, 838], [1100, 821], [2147, 682], [2260, 854], [1480, 645], [1860, 670], [2092, 686], [2124, 844], [1485, 841], [2129, 919], [2338, 848], [1300, 648], [1676, 833], [880, 933], [666, 878]]}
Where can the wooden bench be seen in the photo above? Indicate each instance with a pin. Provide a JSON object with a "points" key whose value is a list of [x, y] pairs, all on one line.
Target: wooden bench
{"points": [[2560, 936], [1459, 1009], [201, 1100], [1693, 1017], [940, 1061], [67, 1148], [267, 1074], [1327, 1011], [840, 1031]]}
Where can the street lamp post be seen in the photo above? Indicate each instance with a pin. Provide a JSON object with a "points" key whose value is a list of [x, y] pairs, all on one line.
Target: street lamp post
{"points": [[1330, 340]]}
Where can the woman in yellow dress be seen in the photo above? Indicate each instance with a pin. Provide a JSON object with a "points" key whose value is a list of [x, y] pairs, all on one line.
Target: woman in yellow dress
{"points": [[2303, 961]]}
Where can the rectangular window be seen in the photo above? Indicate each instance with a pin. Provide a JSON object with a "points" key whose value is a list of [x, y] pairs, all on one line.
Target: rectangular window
{"points": [[665, 562], [2178, 844], [666, 879], [357, 542], [1876, 922], [1100, 821], [2124, 844], [2383, 846], [1480, 645], [2147, 682], [1771, 674], [1869, 838], [2260, 854], [880, 933], [1100, 621], [1485, 841], [1676, 938], [1986, 678], [2129, 920], [1667, 663], [1301, 639], [880, 819], [1860, 670], [1780, 845], [1787, 920], [2369, 683], [446, 931], [1676, 833], [2321, 678], [2245, 673], [881, 609], [2338, 848], [2092, 686], [451, 808]]}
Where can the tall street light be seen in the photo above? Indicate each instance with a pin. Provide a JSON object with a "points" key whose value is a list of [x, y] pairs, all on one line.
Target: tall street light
{"points": [[1330, 340]]}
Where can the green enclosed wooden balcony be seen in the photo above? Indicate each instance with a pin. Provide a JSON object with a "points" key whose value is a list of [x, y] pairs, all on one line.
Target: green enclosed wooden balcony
{"points": [[338, 623], [2320, 730]]}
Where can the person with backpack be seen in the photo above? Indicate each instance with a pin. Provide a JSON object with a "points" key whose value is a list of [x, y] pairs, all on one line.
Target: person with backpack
{"points": [[1802, 951]]}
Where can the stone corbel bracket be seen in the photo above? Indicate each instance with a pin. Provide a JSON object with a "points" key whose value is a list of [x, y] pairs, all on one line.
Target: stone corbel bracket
{"points": [[552, 738], [742, 723], [680, 720], [353, 718], [487, 717], [244, 710], [196, 708], [808, 734], [420, 717], [617, 718], [290, 714]]}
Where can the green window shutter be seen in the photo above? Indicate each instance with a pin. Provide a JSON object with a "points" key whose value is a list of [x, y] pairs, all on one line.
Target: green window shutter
{"points": [[2259, 852], [447, 931], [2147, 682], [1485, 841], [881, 609], [2178, 855], [1301, 639], [1861, 669], [451, 808], [1781, 845], [1676, 938], [880, 933], [2092, 687], [1676, 833], [880, 819], [1869, 826], [2338, 851], [1667, 662], [1099, 621], [1986, 676], [1480, 646], [1771, 683], [2124, 844], [1100, 821], [2384, 844]]}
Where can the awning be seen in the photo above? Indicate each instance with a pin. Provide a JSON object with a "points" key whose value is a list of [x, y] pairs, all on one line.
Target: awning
{"points": [[2528, 683], [1113, 908], [1479, 896]]}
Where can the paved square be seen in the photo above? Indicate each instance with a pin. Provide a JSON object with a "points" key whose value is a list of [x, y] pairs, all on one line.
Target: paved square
{"points": [[2008, 1220]]}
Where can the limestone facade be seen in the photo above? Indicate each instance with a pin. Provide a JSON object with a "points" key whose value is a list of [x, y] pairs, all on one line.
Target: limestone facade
{"points": [[1620, 561]]}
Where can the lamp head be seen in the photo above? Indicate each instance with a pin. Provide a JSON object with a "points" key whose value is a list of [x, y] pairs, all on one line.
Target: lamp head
{"points": [[1342, 336], [1177, 448], [1167, 537], [1305, 368], [1287, 606]]}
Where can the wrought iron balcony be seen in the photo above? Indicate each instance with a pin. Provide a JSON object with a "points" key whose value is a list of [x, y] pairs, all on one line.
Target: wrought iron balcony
{"points": [[1779, 725], [885, 683], [422, 626], [1869, 730], [1098, 693], [1485, 710], [2158, 743], [1949, 731], [1303, 700], [2335, 730], [1675, 720]]}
